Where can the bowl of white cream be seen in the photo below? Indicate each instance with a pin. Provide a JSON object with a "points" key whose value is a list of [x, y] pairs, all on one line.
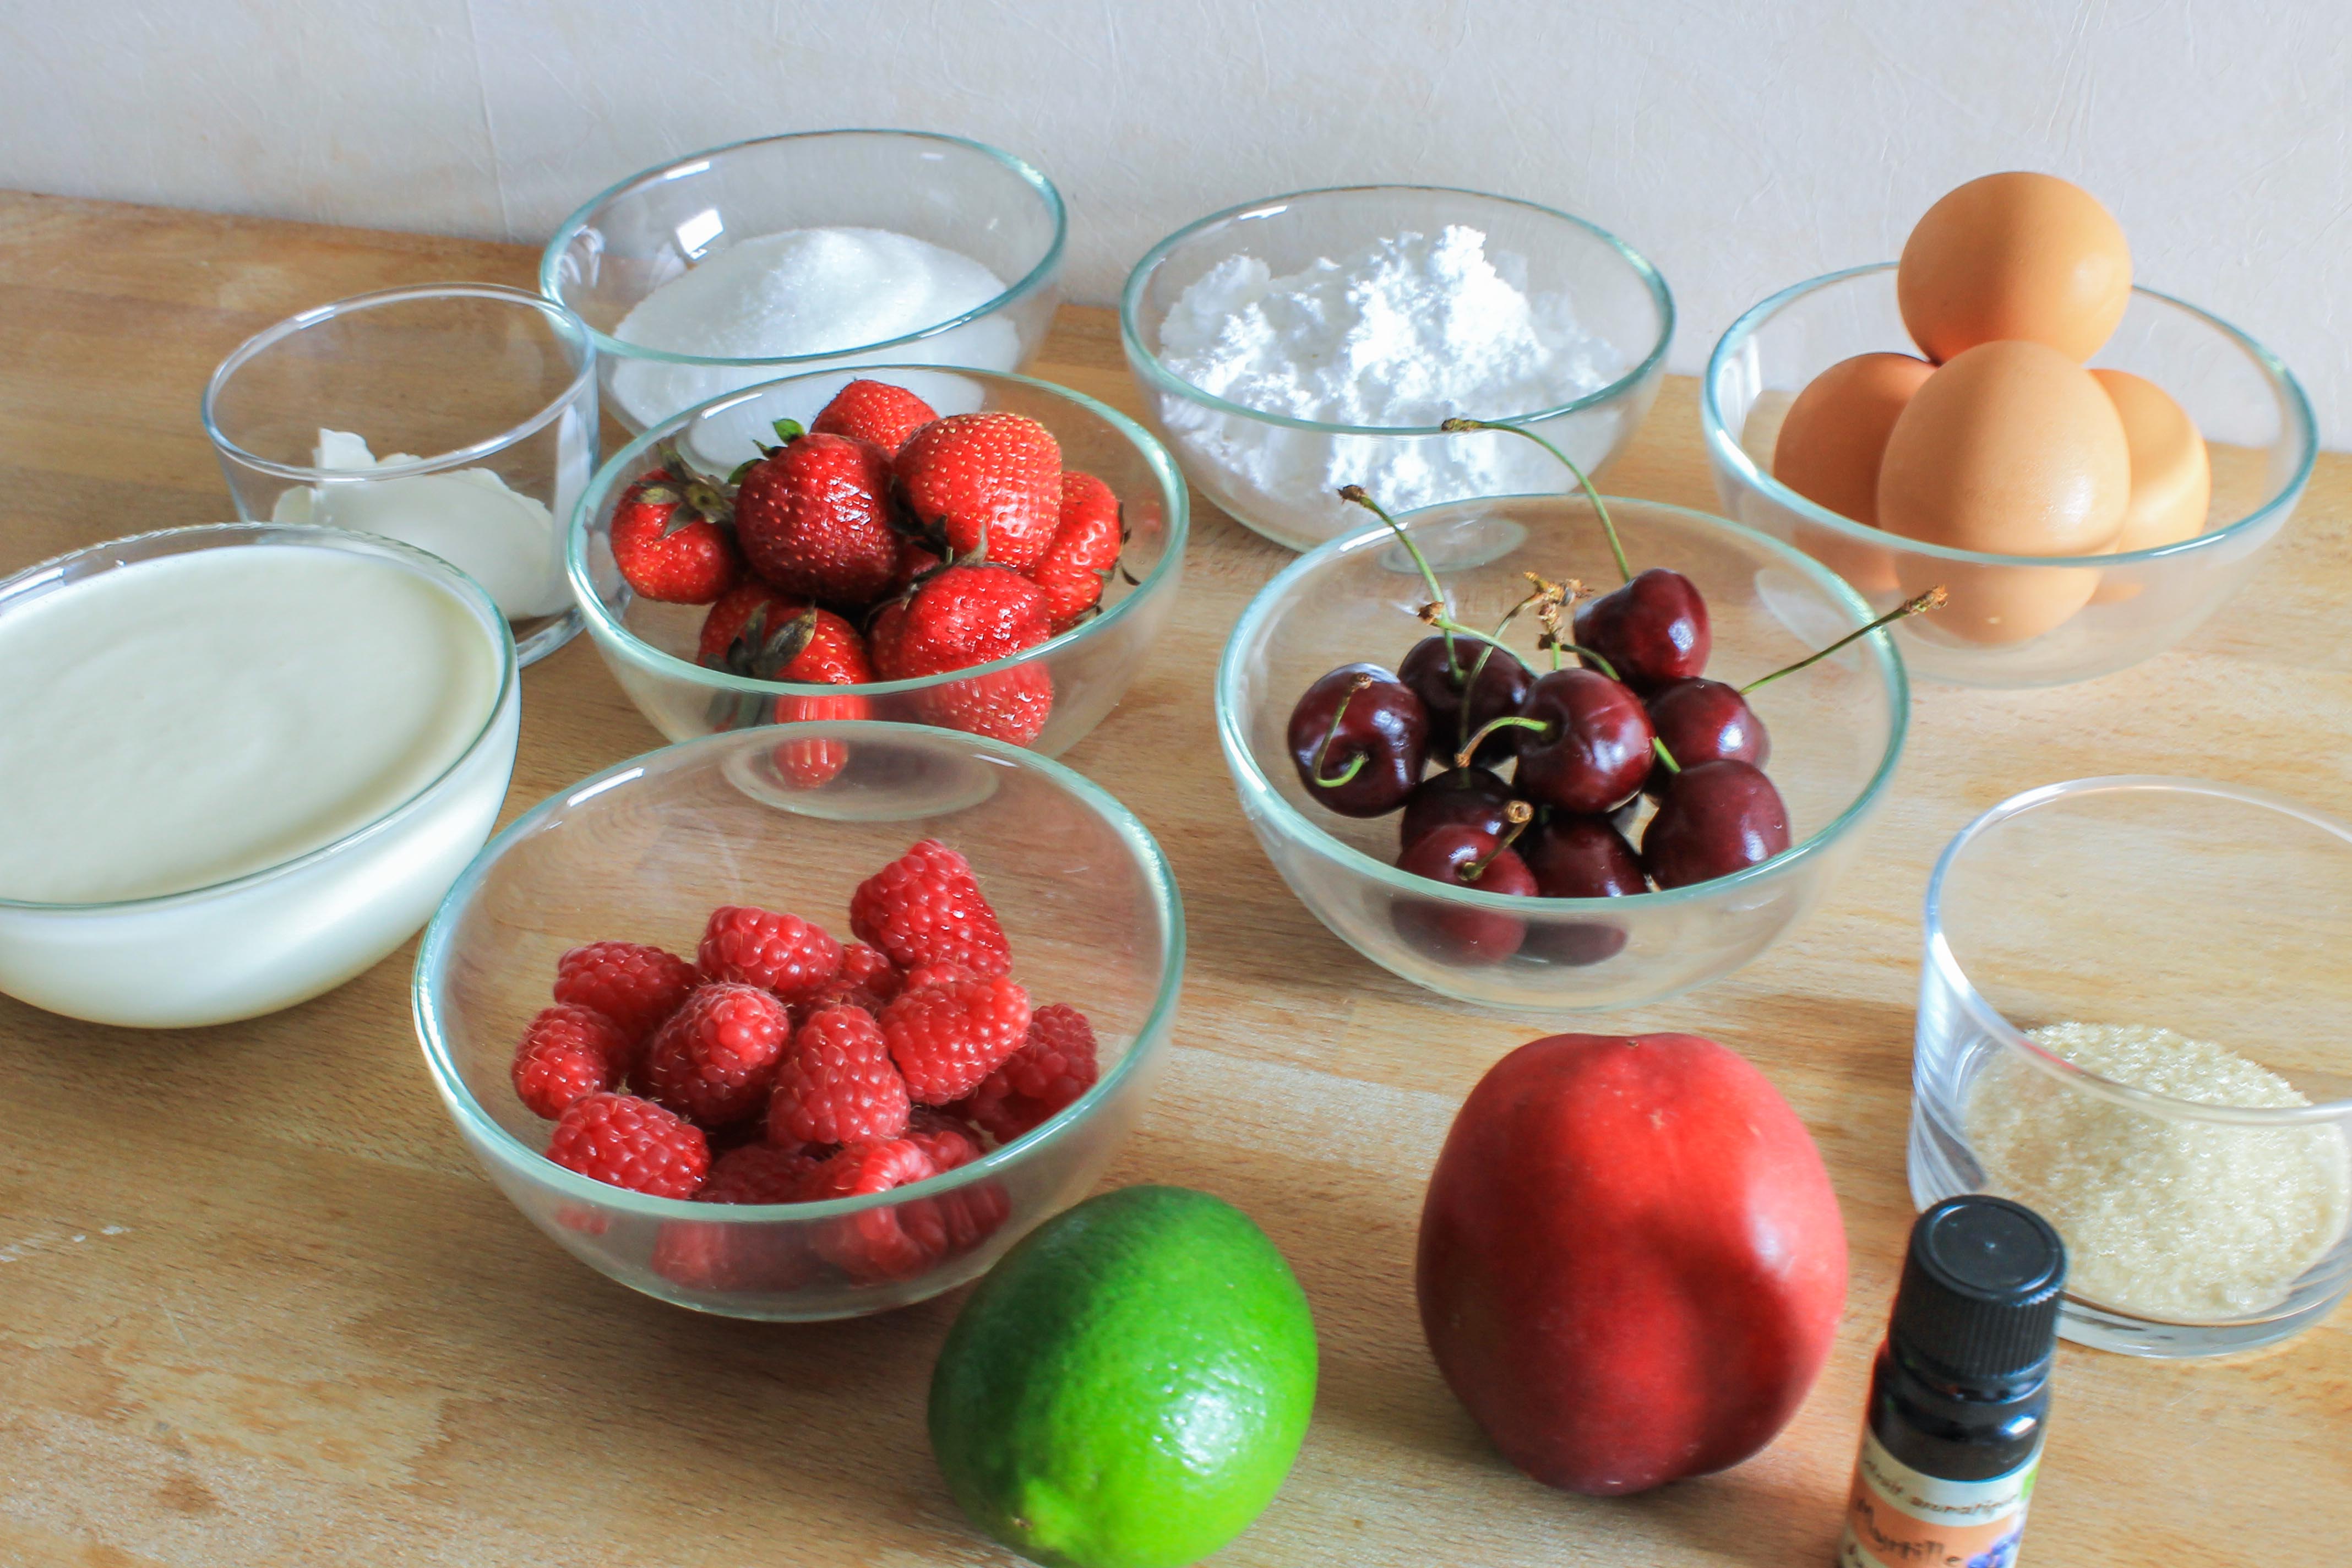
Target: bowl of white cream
{"points": [[1289, 346], [789, 254], [242, 762]]}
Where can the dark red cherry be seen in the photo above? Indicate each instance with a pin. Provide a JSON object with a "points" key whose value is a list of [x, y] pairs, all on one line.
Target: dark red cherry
{"points": [[1458, 797], [1502, 685], [1705, 721], [1716, 818], [1593, 753], [1578, 858], [1653, 630], [1359, 711], [1451, 931]]}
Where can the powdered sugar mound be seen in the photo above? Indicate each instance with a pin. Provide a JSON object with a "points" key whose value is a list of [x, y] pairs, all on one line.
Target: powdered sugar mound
{"points": [[1410, 330]]}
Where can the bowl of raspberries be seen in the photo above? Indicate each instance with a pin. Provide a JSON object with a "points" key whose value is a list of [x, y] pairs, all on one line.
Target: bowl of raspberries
{"points": [[973, 551], [791, 1065]]}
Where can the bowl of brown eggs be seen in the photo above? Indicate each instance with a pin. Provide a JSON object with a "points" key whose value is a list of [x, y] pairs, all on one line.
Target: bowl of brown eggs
{"points": [[2089, 468]]}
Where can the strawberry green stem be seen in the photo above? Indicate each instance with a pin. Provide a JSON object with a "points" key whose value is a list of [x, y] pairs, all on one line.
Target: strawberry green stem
{"points": [[1609, 528], [1933, 599]]}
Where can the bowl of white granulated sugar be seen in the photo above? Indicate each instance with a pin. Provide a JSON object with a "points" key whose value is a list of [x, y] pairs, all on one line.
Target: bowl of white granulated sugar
{"points": [[1303, 342], [2132, 1019]]}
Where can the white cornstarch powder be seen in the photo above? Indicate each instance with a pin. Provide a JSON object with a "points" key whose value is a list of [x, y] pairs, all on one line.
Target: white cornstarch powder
{"points": [[2165, 1216], [1410, 330]]}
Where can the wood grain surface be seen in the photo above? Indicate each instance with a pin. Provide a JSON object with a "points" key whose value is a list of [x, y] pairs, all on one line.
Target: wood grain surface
{"points": [[259, 1307]]}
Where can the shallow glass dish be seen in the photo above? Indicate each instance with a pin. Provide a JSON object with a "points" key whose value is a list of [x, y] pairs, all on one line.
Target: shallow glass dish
{"points": [[646, 849], [628, 241], [2220, 912], [271, 938], [475, 412], [1277, 475], [650, 646], [1836, 731], [2256, 421]]}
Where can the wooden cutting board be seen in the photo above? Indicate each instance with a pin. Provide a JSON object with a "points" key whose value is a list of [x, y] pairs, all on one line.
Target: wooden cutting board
{"points": [[257, 1306]]}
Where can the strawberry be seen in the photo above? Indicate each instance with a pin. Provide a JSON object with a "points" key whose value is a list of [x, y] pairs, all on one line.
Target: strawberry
{"points": [[629, 1142], [567, 1054], [926, 908], [779, 952], [873, 412], [915, 560], [715, 1060], [723, 627], [670, 538], [990, 483], [635, 985], [1084, 551], [948, 1038], [1010, 705], [813, 517], [836, 1083], [956, 618], [768, 636]]}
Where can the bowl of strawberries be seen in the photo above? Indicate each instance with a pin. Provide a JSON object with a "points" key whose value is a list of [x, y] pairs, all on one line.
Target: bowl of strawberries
{"points": [[1001, 571], [792, 1064]]}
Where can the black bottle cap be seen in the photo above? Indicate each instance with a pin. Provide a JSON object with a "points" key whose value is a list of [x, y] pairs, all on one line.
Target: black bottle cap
{"points": [[1981, 1289]]}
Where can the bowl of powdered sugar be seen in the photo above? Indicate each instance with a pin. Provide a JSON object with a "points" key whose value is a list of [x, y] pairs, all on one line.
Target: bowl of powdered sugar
{"points": [[2132, 1019], [824, 250], [1303, 342]]}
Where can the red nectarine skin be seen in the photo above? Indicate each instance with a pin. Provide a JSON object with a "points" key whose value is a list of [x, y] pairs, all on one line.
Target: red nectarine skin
{"points": [[1630, 1262]]}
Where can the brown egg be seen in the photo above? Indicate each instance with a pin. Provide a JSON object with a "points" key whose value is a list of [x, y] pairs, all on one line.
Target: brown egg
{"points": [[2171, 475], [2014, 256], [2011, 449], [1829, 449]]}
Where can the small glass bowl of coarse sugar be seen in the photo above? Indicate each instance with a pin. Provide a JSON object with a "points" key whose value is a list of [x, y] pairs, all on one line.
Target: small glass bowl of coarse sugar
{"points": [[1295, 344], [2136, 1017]]}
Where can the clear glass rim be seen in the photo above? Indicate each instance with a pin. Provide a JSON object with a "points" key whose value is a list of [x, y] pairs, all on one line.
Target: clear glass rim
{"points": [[1037, 277], [1131, 302], [1297, 826], [475, 598], [1988, 1019], [610, 631], [432, 956], [567, 327], [1727, 452]]}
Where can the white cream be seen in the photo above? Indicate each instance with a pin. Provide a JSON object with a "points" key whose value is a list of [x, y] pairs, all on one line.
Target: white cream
{"points": [[197, 718], [504, 540]]}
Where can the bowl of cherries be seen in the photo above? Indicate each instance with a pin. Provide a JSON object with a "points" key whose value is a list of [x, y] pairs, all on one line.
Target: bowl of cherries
{"points": [[1559, 754]]}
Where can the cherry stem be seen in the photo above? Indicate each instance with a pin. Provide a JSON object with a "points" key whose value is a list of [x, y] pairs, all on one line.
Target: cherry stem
{"points": [[1516, 817], [1935, 598], [1556, 643], [1543, 591], [1607, 527], [1503, 721], [1355, 763], [1363, 498], [1664, 755]]}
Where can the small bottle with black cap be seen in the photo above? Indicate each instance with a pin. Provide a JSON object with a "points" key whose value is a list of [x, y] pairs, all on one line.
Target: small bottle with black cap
{"points": [[1960, 1391]]}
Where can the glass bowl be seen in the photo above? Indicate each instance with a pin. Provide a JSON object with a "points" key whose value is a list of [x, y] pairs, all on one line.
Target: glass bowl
{"points": [[628, 241], [1277, 475], [283, 934], [460, 419], [650, 646], [2213, 910], [2256, 421], [1836, 732], [646, 849]]}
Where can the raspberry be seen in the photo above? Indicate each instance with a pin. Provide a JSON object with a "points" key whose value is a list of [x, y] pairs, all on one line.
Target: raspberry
{"points": [[947, 1038], [969, 1215], [714, 1255], [945, 1140], [1055, 1065], [866, 979], [635, 985], [567, 1054], [891, 1241], [836, 1084], [926, 907], [928, 974], [715, 1060], [758, 1173], [782, 953], [625, 1141]]}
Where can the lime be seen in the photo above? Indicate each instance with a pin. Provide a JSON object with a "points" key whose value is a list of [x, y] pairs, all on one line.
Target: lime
{"points": [[1129, 1386]]}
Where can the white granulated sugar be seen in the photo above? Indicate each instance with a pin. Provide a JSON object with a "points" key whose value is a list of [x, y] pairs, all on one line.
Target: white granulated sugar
{"points": [[2168, 1217], [1410, 330], [803, 291]]}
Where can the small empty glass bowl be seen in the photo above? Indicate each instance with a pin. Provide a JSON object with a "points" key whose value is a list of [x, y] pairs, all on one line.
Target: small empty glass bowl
{"points": [[644, 850], [1277, 475], [2256, 421], [653, 227], [2215, 911], [650, 646], [1836, 733], [457, 417]]}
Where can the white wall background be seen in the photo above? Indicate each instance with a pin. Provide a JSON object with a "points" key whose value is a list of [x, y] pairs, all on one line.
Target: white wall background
{"points": [[1741, 143]]}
